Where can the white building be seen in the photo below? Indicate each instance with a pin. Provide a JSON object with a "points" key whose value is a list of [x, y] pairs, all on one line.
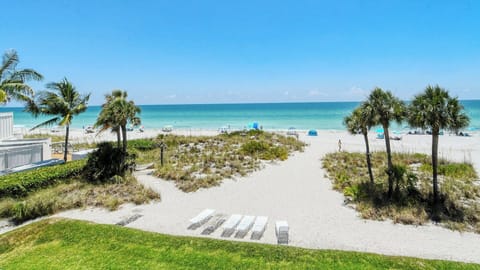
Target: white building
{"points": [[16, 152]]}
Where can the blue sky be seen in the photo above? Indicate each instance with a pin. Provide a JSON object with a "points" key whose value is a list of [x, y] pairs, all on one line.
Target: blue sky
{"points": [[167, 52]]}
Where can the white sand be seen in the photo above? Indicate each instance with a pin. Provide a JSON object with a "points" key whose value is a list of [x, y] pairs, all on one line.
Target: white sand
{"points": [[298, 191]]}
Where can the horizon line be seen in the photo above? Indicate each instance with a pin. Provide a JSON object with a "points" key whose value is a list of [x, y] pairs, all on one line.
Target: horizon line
{"points": [[243, 103]]}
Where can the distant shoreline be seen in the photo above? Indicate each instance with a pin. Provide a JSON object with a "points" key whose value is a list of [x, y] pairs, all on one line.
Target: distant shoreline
{"points": [[237, 103], [271, 116]]}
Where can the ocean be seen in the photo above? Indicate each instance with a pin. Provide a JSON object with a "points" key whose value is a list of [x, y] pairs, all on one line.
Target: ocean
{"points": [[270, 116]]}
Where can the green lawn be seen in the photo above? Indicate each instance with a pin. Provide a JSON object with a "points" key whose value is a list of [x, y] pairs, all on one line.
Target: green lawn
{"points": [[68, 244]]}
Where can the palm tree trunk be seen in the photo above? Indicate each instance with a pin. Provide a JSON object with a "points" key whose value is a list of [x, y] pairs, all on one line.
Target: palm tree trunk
{"points": [[435, 171], [65, 152], [118, 139], [389, 161], [369, 163], [124, 150], [124, 135]]}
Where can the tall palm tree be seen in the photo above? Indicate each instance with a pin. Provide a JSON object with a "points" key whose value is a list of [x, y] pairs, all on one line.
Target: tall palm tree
{"points": [[360, 121], [63, 101], [117, 112], [434, 109], [13, 82], [106, 119], [386, 108]]}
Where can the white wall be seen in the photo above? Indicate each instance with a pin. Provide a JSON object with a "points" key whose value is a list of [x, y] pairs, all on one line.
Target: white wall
{"points": [[20, 155], [6, 125], [15, 152]]}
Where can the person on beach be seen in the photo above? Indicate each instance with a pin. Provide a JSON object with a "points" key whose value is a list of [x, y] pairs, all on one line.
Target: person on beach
{"points": [[339, 145]]}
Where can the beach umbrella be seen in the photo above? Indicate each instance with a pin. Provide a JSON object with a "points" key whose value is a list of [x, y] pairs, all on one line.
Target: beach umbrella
{"points": [[312, 132], [380, 130]]}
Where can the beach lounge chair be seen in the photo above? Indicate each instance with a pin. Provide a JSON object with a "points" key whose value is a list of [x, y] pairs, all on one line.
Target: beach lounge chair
{"points": [[259, 228], [230, 224], [214, 223], [281, 230], [200, 219], [244, 226]]}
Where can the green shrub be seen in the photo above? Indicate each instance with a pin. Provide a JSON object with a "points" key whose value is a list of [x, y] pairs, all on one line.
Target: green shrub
{"points": [[254, 147], [6, 206], [75, 194], [107, 162], [20, 184], [264, 150], [351, 191], [142, 144], [275, 152]]}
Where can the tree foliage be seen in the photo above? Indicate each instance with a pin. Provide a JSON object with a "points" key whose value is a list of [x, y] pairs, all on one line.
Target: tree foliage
{"points": [[63, 101], [117, 112], [434, 109], [108, 164], [360, 121], [386, 108], [13, 82]]}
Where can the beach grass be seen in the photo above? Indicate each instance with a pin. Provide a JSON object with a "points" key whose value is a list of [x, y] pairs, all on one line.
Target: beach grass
{"points": [[54, 138], [75, 193], [412, 200], [69, 244], [204, 161]]}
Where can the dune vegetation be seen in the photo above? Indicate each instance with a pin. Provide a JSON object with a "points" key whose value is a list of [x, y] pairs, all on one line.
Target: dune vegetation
{"points": [[74, 192], [412, 196], [204, 161], [194, 162]]}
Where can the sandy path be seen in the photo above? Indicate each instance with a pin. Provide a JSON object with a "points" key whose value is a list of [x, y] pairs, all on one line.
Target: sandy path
{"points": [[297, 191]]}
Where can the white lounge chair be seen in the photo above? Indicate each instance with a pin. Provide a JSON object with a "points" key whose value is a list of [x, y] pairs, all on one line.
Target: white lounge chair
{"points": [[200, 219], [230, 224], [281, 230], [214, 223], [244, 226], [259, 227]]}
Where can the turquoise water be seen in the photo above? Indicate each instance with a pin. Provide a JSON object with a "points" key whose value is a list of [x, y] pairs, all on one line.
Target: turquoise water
{"points": [[319, 115]]}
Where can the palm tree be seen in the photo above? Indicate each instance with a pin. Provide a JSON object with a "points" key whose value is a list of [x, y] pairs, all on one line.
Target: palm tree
{"points": [[117, 112], [106, 119], [386, 108], [360, 121], [13, 82], [434, 109], [63, 101]]}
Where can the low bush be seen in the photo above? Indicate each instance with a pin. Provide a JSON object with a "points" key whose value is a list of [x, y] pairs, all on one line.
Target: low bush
{"points": [[75, 194], [142, 144], [22, 183], [264, 150], [254, 147], [107, 162]]}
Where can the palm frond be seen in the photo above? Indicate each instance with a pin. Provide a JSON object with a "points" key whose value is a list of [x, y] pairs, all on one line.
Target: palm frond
{"points": [[9, 61], [27, 75], [50, 122]]}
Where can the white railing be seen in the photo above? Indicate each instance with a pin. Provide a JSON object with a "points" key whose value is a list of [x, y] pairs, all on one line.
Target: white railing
{"points": [[6, 125], [20, 155]]}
